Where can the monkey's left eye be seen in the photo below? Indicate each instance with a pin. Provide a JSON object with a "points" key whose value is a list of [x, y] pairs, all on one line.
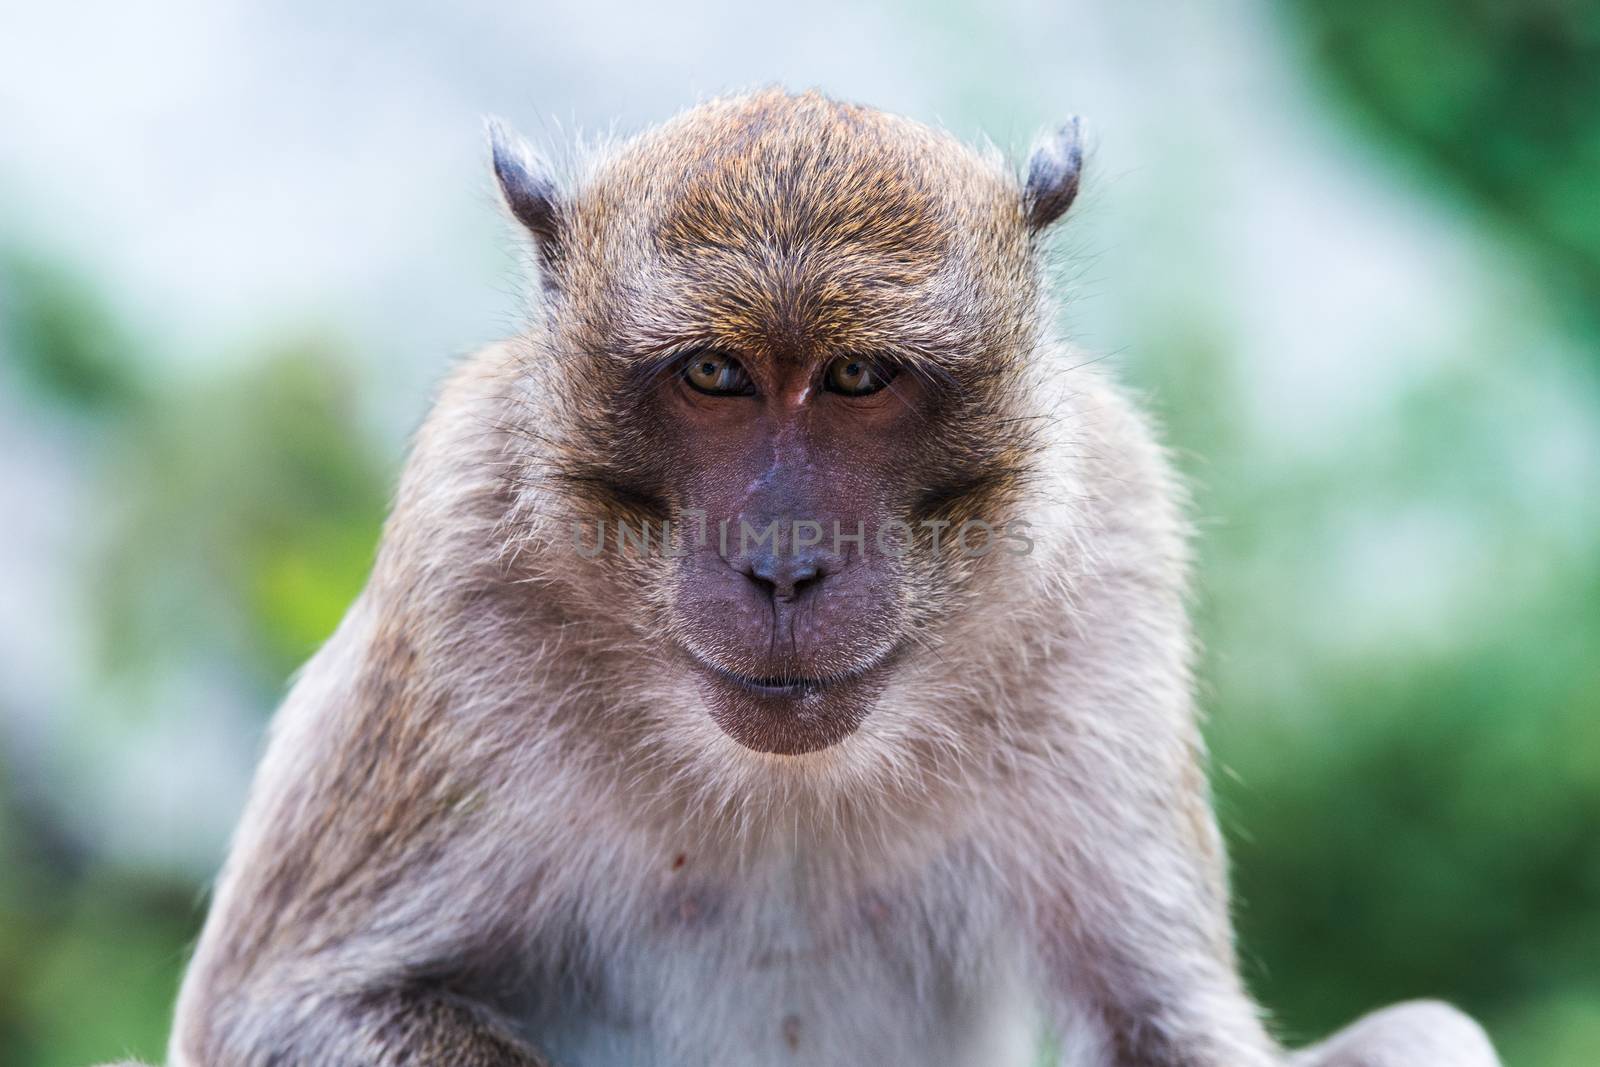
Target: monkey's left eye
{"points": [[717, 375], [856, 375]]}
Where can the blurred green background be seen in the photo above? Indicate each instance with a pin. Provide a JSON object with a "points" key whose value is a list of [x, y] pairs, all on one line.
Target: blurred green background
{"points": [[1350, 253]]}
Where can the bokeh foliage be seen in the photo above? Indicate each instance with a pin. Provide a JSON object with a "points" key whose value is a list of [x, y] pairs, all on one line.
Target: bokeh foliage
{"points": [[1427, 820], [1500, 100], [237, 516]]}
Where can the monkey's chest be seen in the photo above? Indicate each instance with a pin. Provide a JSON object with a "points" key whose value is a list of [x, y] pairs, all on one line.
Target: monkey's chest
{"points": [[703, 983]]}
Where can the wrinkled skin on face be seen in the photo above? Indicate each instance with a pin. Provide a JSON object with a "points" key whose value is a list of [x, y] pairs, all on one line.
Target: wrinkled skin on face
{"points": [[780, 325]]}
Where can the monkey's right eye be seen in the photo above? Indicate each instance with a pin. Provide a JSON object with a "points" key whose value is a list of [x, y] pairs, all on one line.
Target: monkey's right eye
{"points": [[715, 374]]}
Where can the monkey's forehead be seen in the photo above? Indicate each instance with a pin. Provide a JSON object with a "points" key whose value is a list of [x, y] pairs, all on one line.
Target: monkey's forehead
{"points": [[801, 172]]}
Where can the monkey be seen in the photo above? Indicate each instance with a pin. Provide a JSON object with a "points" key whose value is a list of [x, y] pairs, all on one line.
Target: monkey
{"points": [[777, 653]]}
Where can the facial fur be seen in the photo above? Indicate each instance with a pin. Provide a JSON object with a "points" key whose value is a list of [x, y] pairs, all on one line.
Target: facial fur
{"points": [[785, 234]]}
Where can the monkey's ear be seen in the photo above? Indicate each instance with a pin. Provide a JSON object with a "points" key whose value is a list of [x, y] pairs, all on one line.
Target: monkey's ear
{"points": [[527, 186], [1053, 171]]}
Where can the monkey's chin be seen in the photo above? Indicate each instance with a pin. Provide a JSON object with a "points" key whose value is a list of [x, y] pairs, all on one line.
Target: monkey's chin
{"points": [[787, 719]]}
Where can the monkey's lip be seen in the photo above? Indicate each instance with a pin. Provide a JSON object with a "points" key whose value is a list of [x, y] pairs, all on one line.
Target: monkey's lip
{"points": [[786, 715], [775, 686]]}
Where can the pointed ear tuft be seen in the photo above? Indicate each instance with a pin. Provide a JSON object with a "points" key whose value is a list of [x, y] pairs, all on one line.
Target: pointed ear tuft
{"points": [[526, 185], [1053, 171]]}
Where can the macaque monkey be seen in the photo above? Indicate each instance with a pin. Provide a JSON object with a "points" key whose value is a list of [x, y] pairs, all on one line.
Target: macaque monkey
{"points": [[777, 655]]}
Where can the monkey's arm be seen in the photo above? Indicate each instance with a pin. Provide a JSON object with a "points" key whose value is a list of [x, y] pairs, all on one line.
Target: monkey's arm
{"points": [[1146, 941], [414, 1027], [420, 1027], [1138, 935], [351, 925], [1133, 918], [339, 996]]}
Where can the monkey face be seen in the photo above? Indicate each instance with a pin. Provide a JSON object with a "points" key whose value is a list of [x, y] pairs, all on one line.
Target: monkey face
{"points": [[785, 339]]}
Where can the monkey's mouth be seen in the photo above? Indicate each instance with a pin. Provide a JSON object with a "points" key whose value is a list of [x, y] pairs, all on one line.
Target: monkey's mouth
{"points": [[775, 685], [788, 715]]}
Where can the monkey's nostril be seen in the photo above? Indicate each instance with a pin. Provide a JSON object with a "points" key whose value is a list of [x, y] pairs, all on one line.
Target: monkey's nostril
{"points": [[804, 578], [783, 579]]}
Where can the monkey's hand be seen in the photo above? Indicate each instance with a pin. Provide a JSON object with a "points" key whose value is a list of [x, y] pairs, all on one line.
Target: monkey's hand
{"points": [[399, 1027], [429, 1029], [1421, 1033]]}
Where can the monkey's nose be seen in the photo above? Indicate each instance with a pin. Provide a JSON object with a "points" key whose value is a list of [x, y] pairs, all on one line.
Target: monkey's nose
{"points": [[783, 576]]}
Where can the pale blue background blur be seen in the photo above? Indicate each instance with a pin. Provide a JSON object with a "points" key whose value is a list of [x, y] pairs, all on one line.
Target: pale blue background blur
{"points": [[1350, 253]]}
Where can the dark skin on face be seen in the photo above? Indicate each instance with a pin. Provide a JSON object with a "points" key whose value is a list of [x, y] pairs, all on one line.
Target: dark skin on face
{"points": [[790, 641]]}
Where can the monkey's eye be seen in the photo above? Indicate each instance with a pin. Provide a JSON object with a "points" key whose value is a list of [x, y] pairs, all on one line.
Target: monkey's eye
{"points": [[856, 375], [717, 375]]}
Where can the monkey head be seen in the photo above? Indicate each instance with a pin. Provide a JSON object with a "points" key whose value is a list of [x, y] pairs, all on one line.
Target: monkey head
{"points": [[778, 338]]}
